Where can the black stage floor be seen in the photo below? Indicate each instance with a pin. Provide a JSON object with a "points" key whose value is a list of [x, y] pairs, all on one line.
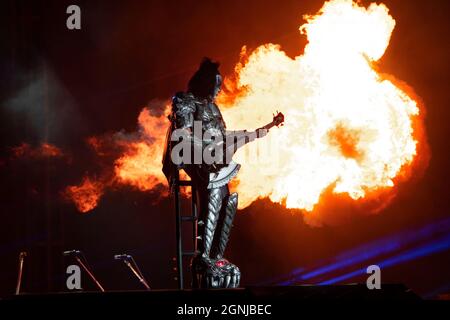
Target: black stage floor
{"points": [[248, 294], [268, 302]]}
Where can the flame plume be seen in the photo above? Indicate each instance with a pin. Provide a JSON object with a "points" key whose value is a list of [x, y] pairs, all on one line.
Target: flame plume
{"points": [[87, 195], [349, 131], [347, 128], [138, 164]]}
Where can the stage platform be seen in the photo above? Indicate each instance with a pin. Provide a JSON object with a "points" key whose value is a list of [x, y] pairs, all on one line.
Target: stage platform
{"points": [[278, 302], [248, 294]]}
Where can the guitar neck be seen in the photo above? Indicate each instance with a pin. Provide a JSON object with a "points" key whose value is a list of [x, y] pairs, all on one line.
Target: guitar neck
{"points": [[269, 126], [243, 137]]}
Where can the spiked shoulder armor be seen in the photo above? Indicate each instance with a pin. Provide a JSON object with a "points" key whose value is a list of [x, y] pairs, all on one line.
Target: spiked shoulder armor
{"points": [[183, 108]]}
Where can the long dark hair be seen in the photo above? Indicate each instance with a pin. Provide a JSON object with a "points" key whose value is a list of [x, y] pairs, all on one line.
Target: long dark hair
{"points": [[203, 81]]}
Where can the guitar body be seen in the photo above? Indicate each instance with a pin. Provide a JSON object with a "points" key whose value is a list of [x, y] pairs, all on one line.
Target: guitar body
{"points": [[224, 175], [225, 172]]}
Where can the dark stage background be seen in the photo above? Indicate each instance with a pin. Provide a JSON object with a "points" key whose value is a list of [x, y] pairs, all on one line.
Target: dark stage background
{"points": [[63, 86]]}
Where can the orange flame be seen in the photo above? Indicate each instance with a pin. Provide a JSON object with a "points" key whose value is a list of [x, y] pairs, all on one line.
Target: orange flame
{"points": [[349, 130], [346, 126], [140, 164], [44, 150], [86, 195]]}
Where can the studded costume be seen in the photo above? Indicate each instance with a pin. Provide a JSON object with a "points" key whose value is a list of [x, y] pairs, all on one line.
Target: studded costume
{"points": [[216, 206]]}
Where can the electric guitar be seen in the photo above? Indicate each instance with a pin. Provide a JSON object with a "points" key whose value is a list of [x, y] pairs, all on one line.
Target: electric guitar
{"points": [[227, 169]]}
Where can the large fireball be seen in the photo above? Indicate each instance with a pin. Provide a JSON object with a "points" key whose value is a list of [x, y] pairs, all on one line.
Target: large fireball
{"points": [[349, 130], [346, 126]]}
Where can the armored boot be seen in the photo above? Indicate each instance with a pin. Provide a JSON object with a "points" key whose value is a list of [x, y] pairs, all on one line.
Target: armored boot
{"points": [[229, 273], [225, 228], [209, 216], [209, 268]]}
